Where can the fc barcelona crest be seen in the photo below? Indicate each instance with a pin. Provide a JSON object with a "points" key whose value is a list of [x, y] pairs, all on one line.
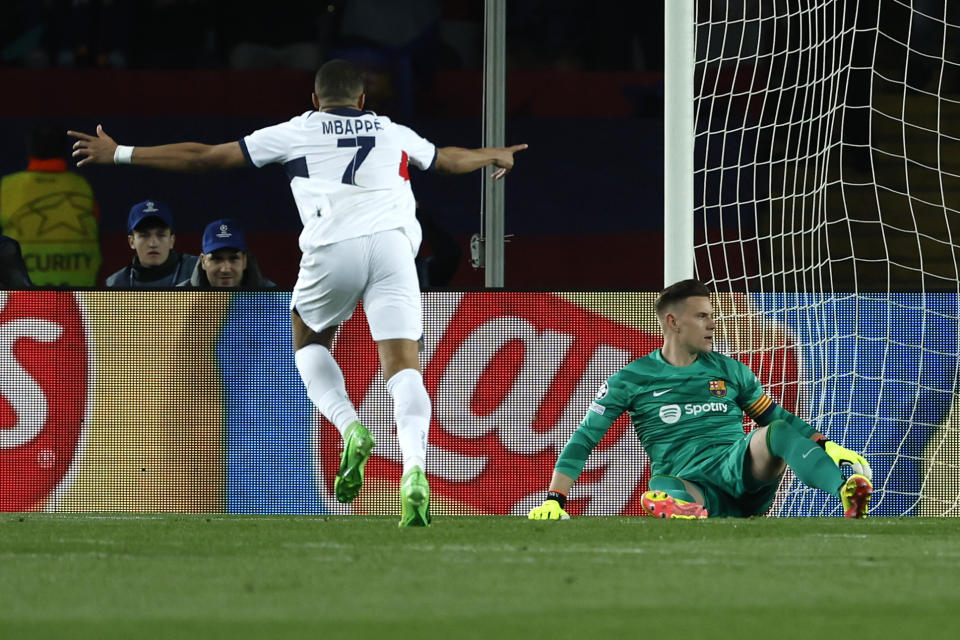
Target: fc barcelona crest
{"points": [[718, 388]]}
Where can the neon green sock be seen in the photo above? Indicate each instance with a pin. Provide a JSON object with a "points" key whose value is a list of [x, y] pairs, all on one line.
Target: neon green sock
{"points": [[809, 461], [673, 487]]}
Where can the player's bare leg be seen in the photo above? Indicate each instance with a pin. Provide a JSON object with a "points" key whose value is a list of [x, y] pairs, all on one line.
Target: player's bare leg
{"points": [[400, 361], [764, 466], [327, 390]]}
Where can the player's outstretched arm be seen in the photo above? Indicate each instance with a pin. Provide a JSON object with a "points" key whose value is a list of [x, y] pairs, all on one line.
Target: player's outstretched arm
{"points": [[460, 160], [181, 156], [552, 507]]}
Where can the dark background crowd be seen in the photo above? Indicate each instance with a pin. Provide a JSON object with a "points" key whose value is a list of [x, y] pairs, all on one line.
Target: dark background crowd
{"points": [[606, 35], [584, 89]]}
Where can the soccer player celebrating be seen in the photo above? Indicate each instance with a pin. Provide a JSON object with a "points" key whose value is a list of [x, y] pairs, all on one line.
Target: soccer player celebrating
{"points": [[686, 403], [349, 174]]}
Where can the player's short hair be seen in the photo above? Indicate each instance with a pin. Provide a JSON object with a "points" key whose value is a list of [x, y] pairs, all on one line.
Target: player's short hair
{"points": [[678, 292], [338, 81]]}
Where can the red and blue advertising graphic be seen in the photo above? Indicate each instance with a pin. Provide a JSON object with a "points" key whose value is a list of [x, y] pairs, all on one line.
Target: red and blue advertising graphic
{"points": [[44, 390], [510, 376], [190, 401]]}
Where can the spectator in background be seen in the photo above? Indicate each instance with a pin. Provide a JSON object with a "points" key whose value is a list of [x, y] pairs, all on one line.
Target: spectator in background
{"points": [[225, 262], [52, 214], [13, 273], [155, 263]]}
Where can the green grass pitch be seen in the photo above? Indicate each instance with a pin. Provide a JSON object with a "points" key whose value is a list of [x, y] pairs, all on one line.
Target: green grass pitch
{"points": [[176, 576]]}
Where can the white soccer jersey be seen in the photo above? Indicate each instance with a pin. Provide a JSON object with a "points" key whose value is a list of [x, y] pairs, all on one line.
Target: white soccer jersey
{"points": [[347, 170]]}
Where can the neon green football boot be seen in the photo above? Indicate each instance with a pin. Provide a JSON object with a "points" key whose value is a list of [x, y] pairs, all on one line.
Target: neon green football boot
{"points": [[660, 504], [414, 499], [357, 444]]}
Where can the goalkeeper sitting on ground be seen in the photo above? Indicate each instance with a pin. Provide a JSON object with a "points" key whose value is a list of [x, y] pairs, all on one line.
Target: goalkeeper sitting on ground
{"points": [[686, 403]]}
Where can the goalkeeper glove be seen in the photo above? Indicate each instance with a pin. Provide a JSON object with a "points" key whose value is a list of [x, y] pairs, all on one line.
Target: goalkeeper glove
{"points": [[551, 509], [844, 457]]}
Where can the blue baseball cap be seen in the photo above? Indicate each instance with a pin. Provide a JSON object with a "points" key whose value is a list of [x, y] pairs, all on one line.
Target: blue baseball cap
{"points": [[224, 234], [148, 209]]}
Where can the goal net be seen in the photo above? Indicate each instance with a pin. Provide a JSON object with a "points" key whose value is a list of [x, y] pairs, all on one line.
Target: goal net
{"points": [[827, 210]]}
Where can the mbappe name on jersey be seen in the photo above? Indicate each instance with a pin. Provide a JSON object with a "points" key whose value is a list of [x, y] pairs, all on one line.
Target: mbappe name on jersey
{"points": [[354, 126]]}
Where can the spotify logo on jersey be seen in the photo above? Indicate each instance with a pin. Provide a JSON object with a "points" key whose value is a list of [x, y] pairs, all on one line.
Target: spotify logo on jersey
{"points": [[670, 413]]}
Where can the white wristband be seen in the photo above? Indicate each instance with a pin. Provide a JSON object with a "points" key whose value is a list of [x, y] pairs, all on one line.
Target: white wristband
{"points": [[123, 155]]}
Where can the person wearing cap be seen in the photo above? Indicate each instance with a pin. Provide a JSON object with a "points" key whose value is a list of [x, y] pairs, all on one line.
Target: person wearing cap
{"points": [[155, 263], [225, 262]]}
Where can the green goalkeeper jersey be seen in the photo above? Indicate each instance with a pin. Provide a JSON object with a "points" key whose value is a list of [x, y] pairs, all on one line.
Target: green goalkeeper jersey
{"points": [[680, 414]]}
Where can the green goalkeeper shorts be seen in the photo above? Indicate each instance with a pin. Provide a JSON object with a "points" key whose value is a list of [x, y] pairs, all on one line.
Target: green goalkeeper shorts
{"points": [[729, 490]]}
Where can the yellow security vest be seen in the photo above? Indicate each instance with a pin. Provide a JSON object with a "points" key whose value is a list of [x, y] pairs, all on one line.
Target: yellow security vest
{"points": [[51, 215]]}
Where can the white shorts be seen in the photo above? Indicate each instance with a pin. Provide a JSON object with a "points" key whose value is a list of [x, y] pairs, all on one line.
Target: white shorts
{"points": [[378, 269]]}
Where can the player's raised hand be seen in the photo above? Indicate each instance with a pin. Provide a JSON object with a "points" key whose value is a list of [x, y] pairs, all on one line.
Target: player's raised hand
{"points": [[549, 510], [504, 160], [98, 149]]}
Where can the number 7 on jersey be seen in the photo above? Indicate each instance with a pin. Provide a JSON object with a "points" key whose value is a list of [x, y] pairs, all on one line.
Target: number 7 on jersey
{"points": [[363, 145]]}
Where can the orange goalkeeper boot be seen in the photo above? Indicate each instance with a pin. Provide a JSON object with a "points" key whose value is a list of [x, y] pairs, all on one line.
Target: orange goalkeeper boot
{"points": [[855, 495], [659, 504]]}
